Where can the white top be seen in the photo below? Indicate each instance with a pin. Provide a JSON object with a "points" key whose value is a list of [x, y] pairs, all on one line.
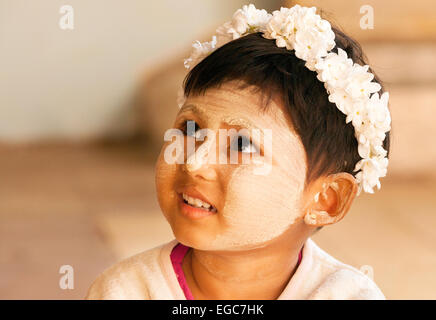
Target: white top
{"points": [[150, 275]]}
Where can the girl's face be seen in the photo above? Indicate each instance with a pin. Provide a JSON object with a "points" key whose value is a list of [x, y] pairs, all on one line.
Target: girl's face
{"points": [[251, 209]]}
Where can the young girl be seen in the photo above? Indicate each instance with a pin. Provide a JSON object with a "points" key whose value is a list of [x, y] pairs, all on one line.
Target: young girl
{"points": [[281, 125]]}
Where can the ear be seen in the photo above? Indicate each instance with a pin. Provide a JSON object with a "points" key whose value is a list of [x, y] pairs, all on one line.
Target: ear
{"points": [[330, 199]]}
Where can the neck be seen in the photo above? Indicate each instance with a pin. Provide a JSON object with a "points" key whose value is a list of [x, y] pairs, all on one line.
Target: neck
{"points": [[258, 274]]}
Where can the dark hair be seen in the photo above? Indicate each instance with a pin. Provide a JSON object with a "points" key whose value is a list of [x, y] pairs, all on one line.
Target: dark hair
{"points": [[329, 142]]}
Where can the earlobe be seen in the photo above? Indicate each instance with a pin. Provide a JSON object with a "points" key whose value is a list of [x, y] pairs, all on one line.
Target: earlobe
{"points": [[317, 218], [332, 199]]}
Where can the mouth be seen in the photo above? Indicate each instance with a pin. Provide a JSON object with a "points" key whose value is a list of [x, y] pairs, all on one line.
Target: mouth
{"points": [[195, 208], [197, 203]]}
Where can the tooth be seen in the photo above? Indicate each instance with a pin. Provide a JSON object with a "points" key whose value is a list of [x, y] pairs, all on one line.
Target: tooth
{"points": [[198, 202]]}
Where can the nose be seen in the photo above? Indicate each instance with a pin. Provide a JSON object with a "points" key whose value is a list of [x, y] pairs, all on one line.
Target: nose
{"points": [[200, 162]]}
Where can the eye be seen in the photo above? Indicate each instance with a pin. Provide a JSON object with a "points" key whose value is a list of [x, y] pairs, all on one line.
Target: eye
{"points": [[243, 144], [189, 128]]}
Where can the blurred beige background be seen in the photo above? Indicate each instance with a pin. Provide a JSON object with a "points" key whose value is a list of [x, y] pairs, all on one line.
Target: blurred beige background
{"points": [[82, 116]]}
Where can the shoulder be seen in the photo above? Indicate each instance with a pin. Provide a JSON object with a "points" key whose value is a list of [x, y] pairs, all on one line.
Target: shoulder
{"points": [[340, 281], [129, 278]]}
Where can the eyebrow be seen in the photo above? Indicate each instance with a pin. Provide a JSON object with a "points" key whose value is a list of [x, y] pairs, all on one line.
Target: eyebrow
{"points": [[194, 109], [239, 122]]}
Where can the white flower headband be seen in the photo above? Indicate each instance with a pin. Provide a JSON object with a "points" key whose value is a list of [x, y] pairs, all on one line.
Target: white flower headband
{"points": [[348, 84]]}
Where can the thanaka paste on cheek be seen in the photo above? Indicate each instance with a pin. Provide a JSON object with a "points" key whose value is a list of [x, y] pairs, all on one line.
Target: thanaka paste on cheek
{"points": [[260, 208], [165, 173]]}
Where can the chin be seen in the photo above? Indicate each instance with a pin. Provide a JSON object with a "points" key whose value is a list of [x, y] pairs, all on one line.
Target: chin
{"points": [[191, 238]]}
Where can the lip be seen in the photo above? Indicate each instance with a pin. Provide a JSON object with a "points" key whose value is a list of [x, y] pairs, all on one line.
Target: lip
{"points": [[190, 211]]}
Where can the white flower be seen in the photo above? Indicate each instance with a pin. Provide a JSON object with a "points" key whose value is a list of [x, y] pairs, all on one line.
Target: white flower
{"points": [[314, 37], [301, 29], [334, 68], [342, 99], [256, 19], [224, 33], [378, 151], [357, 114], [364, 149], [305, 18], [200, 51], [370, 140], [370, 171], [282, 27], [368, 147], [309, 46], [244, 21], [359, 83], [378, 112], [371, 133]]}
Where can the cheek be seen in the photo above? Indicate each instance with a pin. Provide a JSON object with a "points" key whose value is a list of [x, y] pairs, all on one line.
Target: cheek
{"points": [[164, 180], [259, 208]]}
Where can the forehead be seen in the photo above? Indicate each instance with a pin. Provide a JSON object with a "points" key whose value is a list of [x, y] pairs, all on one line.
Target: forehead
{"points": [[237, 106]]}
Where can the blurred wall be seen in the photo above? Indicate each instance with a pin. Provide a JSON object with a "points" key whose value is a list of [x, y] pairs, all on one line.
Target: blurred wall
{"points": [[77, 84], [394, 20]]}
